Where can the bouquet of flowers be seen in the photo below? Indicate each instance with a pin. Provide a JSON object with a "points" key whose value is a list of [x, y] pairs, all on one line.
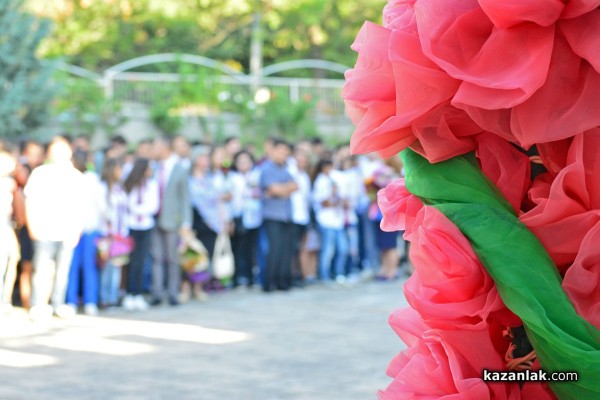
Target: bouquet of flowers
{"points": [[194, 257]]}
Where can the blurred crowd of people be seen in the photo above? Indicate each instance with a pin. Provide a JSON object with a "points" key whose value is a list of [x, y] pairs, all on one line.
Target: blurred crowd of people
{"points": [[300, 214]]}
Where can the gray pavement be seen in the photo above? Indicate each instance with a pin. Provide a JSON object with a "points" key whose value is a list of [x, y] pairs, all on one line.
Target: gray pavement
{"points": [[313, 343]]}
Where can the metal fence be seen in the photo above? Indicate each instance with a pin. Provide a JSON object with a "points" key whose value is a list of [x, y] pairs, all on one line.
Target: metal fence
{"points": [[121, 84]]}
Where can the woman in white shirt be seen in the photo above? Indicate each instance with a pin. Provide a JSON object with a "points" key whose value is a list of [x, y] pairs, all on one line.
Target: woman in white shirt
{"points": [[143, 204], [246, 209], [114, 223], [330, 206], [304, 264]]}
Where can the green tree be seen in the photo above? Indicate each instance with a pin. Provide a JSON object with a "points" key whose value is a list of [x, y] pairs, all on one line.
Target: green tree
{"points": [[24, 78], [111, 31]]}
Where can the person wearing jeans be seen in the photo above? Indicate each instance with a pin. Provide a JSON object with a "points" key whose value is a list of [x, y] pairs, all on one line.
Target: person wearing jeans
{"points": [[115, 223], [84, 261], [84, 269], [330, 208], [53, 203]]}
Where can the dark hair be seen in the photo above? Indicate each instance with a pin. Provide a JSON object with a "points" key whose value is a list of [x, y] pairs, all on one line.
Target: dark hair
{"points": [[80, 158], [316, 140], [238, 155], [108, 172], [66, 136], [137, 174], [28, 142], [118, 139], [323, 162], [281, 142], [230, 139], [196, 143]]}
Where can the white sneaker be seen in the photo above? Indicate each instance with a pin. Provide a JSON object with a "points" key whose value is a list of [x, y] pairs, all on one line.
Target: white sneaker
{"points": [[90, 309], [340, 279], [202, 296], [129, 303], [140, 303], [65, 311], [40, 313], [184, 297]]}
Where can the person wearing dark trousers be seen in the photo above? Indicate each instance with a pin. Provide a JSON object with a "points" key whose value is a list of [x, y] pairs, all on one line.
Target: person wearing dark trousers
{"points": [[244, 246], [277, 185], [174, 216], [246, 209], [141, 205], [278, 274]]}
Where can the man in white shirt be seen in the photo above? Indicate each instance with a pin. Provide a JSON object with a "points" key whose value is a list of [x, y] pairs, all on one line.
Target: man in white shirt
{"points": [[54, 202]]}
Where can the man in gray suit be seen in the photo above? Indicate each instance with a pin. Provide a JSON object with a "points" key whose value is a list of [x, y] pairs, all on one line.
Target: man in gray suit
{"points": [[174, 218]]}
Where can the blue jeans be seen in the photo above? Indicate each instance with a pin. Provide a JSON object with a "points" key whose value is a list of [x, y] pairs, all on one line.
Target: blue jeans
{"points": [[352, 265], [84, 270], [110, 283], [333, 242], [370, 253]]}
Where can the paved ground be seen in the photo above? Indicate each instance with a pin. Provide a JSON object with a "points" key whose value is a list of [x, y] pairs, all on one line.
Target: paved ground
{"points": [[317, 343]]}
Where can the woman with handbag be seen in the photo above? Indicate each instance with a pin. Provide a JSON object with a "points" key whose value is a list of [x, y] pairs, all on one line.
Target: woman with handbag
{"points": [[143, 204], [208, 202], [114, 230]]}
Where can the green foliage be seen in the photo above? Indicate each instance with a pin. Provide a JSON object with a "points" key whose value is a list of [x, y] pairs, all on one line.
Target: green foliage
{"points": [[24, 78], [280, 117], [162, 112], [81, 107], [108, 31]]}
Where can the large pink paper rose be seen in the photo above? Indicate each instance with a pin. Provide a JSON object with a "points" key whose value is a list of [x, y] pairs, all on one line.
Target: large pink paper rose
{"points": [[450, 288], [568, 206], [564, 106], [498, 67], [444, 364], [528, 71], [415, 100], [371, 99], [582, 279]]}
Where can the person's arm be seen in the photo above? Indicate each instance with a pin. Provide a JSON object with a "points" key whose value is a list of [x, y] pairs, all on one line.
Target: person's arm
{"points": [[323, 194], [33, 212], [282, 189], [19, 207], [184, 189]]}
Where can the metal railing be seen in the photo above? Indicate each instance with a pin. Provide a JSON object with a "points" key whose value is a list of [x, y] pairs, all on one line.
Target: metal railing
{"points": [[121, 84]]}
